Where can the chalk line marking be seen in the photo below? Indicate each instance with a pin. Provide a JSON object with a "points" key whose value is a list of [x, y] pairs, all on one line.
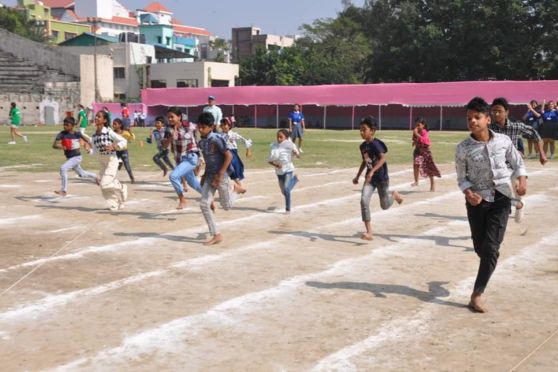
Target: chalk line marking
{"points": [[412, 327], [38, 266], [15, 220]]}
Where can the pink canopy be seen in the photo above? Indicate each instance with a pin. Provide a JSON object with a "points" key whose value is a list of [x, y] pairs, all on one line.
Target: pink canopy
{"points": [[408, 94]]}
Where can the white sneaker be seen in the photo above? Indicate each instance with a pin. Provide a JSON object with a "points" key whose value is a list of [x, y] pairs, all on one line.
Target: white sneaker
{"points": [[519, 213], [300, 150], [25, 139], [12, 143], [124, 193]]}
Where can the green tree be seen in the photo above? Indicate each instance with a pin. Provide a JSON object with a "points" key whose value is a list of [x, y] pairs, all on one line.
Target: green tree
{"points": [[16, 21]]}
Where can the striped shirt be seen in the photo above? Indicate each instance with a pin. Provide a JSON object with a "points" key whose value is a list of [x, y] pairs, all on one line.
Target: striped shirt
{"points": [[108, 137], [514, 129], [183, 141]]}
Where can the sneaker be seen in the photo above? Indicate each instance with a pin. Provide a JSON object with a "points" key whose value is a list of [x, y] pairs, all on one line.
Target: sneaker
{"points": [[551, 156], [124, 193], [25, 139], [519, 213], [12, 143], [300, 150]]}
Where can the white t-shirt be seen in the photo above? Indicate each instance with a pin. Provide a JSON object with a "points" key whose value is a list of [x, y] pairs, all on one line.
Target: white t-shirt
{"points": [[282, 153]]}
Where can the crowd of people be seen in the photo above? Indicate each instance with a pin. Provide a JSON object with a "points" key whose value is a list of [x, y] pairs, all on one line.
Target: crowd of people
{"points": [[489, 163]]}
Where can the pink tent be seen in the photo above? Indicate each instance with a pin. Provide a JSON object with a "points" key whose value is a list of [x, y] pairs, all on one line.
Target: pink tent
{"points": [[406, 94]]}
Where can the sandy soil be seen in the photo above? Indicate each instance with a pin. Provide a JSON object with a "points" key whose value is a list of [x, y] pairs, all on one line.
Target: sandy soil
{"points": [[83, 288]]}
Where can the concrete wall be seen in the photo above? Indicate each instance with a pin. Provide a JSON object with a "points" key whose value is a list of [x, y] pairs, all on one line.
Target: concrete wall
{"points": [[132, 61], [51, 56], [204, 72], [105, 80]]}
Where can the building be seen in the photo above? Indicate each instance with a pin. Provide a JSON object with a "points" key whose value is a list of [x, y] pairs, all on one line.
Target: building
{"points": [[56, 30], [247, 40], [190, 75]]}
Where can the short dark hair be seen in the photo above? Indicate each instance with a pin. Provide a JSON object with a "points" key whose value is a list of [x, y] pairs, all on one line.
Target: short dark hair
{"points": [[478, 104], [160, 118], [175, 110], [370, 122], [69, 120], [285, 132], [501, 101], [119, 121], [206, 118]]}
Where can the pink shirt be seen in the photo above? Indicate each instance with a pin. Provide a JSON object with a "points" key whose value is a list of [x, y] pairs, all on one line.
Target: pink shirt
{"points": [[423, 139]]}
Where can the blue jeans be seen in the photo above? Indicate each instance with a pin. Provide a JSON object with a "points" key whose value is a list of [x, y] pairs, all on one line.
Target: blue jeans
{"points": [[185, 169], [287, 183]]}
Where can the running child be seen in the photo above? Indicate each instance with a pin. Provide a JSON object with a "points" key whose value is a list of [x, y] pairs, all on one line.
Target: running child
{"points": [[15, 121], [485, 163], [373, 153], [70, 141], [162, 156], [236, 171], [281, 158], [217, 160], [82, 119], [423, 163], [106, 142], [123, 155], [186, 154]]}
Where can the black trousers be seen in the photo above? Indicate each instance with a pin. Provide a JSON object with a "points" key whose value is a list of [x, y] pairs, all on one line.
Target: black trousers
{"points": [[488, 222]]}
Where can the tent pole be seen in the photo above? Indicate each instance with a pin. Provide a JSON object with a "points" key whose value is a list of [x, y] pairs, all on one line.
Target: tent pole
{"points": [[441, 117], [380, 115], [410, 117], [325, 116], [353, 121], [255, 116], [277, 116]]}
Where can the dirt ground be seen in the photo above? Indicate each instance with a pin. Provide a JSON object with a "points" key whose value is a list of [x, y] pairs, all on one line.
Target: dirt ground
{"points": [[83, 288]]}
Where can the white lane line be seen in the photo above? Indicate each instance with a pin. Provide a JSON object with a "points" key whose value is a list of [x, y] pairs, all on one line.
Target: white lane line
{"points": [[66, 229], [417, 325], [48, 302], [168, 337], [10, 186], [15, 220]]}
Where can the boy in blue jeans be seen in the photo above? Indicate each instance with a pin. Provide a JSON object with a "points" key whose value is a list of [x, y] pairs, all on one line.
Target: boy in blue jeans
{"points": [[217, 160]]}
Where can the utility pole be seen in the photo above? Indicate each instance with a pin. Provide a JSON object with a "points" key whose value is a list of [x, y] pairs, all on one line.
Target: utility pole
{"points": [[94, 21]]}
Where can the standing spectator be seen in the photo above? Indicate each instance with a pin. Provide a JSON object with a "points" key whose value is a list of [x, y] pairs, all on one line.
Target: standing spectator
{"points": [[125, 116], [214, 110], [533, 117], [136, 118], [15, 121], [82, 119], [549, 127], [297, 126], [423, 163], [485, 163], [141, 119]]}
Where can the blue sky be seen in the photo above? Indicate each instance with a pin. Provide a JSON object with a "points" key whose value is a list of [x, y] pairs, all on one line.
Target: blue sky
{"points": [[280, 17]]}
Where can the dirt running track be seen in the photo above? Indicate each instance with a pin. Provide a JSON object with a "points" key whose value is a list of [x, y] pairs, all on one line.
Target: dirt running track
{"points": [[83, 288]]}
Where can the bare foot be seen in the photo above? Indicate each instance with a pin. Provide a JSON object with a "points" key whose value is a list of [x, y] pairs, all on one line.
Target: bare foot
{"points": [[212, 206], [367, 236], [397, 197], [414, 184], [433, 188], [181, 203], [61, 193], [239, 189], [475, 303], [215, 240], [165, 171]]}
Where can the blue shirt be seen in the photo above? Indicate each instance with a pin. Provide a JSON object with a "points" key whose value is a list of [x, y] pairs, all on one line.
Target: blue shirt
{"points": [[213, 148], [296, 117], [550, 116], [371, 152]]}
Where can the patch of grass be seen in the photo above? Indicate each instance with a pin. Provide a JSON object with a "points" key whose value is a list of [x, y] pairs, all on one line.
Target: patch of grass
{"points": [[322, 148]]}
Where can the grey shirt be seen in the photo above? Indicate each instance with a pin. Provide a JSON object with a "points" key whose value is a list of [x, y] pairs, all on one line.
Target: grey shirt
{"points": [[488, 167]]}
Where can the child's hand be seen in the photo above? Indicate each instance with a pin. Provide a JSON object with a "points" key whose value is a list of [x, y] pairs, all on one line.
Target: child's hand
{"points": [[473, 198], [216, 180], [521, 186], [355, 180], [369, 176], [248, 153]]}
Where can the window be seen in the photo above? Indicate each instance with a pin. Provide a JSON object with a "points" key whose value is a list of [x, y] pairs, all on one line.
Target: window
{"points": [[54, 34], [69, 35], [187, 83], [120, 73], [158, 83], [159, 40], [119, 96], [168, 40]]}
